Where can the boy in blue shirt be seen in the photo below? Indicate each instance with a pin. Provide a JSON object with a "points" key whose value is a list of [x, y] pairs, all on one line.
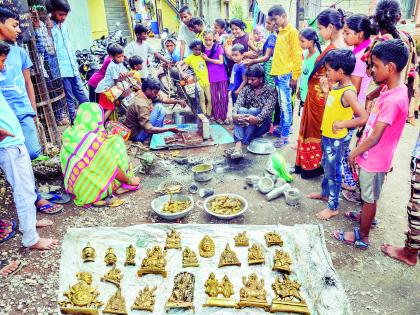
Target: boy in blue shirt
{"points": [[67, 63], [17, 89], [238, 76], [16, 164]]}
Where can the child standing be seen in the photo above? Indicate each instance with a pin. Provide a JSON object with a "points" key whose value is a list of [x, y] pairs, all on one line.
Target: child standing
{"points": [[219, 27], [338, 118], [357, 32], [198, 64], [197, 26], [69, 69], [114, 74], [140, 47], [308, 41], [238, 76], [213, 55], [287, 67], [380, 138], [136, 64]]}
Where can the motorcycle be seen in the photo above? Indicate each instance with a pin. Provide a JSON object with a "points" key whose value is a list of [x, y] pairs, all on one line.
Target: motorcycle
{"points": [[99, 46], [88, 64]]}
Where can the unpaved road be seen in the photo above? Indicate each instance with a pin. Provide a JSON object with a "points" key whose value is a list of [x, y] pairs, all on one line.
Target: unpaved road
{"points": [[375, 284]]}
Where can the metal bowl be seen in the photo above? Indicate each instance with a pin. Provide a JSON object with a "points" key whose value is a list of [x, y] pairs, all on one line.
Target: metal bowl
{"points": [[225, 216], [261, 146], [203, 172], [157, 205]]}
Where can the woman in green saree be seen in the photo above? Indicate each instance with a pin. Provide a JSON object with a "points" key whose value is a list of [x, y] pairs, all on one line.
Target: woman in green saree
{"points": [[94, 163]]}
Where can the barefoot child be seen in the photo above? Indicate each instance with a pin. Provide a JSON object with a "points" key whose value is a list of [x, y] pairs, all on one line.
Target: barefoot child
{"points": [[198, 64], [213, 55], [408, 254], [382, 133], [114, 74], [16, 164], [339, 108]]}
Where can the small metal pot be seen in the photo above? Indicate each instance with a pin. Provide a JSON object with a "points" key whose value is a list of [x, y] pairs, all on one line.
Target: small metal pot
{"points": [[203, 172]]}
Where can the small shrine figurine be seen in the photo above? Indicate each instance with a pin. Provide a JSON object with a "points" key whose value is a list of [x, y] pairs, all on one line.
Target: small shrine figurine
{"points": [[255, 255], [110, 257], [253, 293], [116, 304], [130, 256], [228, 258], [145, 301], [183, 292], [88, 253], [287, 297], [206, 247], [113, 275], [154, 263], [81, 297], [241, 239], [282, 261], [189, 258], [173, 240], [213, 288], [273, 238]]}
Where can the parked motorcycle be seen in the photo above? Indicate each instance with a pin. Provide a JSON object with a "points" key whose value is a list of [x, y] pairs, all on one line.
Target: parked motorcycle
{"points": [[99, 46], [88, 64]]}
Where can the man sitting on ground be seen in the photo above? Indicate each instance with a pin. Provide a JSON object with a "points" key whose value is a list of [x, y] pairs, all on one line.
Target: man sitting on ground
{"points": [[252, 111], [147, 113]]}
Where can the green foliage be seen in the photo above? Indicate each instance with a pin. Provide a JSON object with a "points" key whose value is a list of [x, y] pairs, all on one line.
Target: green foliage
{"points": [[237, 11]]}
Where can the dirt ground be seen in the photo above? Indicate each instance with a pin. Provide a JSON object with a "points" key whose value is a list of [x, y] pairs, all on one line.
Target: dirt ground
{"points": [[375, 284]]}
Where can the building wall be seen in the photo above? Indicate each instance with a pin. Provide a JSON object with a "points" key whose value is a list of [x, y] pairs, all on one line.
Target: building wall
{"points": [[97, 18], [169, 16], [78, 24]]}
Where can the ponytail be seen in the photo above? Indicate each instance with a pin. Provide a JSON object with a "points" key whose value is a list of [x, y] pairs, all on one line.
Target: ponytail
{"points": [[333, 17], [387, 14], [310, 34], [361, 23]]}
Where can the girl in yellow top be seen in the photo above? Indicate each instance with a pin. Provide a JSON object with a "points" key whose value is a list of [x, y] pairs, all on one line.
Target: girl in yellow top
{"points": [[198, 64], [340, 107]]}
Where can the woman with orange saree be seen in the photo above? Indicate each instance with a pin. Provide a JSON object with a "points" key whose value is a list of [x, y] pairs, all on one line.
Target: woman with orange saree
{"points": [[309, 153]]}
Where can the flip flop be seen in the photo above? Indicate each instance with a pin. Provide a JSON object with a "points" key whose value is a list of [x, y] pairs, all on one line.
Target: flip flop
{"points": [[59, 198], [109, 202], [50, 208], [357, 243], [7, 224], [129, 188], [6, 235], [353, 216], [6, 262]]}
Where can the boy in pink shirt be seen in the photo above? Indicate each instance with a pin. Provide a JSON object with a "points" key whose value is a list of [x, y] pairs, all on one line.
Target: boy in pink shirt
{"points": [[381, 135]]}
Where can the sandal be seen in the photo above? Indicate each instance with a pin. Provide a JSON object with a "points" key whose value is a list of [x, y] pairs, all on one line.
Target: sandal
{"points": [[280, 143], [57, 198], [111, 202], [50, 208], [354, 216], [8, 225], [5, 263], [357, 243], [351, 196], [6, 235]]}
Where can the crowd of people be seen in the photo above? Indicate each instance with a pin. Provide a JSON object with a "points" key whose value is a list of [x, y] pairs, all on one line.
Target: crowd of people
{"points": [[352, 76]]}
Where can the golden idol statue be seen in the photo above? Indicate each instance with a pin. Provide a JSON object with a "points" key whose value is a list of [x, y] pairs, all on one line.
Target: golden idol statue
{"points": [[81, 297], [273, 238], [228, 258], [206, 247], [253, 293], [288, 298], [214, 288], [110, 257], [88, 253], [255, 255], [282, 261], [183, 292], [145, 301], [113, 275], [154, 263], [173, 240], [241, 239], [116, 304], [130, 256], [189, 258]]}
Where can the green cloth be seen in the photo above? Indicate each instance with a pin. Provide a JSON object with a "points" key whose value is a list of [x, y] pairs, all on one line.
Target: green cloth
{"points": [[90, 158], [269, 79], [307, 67]]}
